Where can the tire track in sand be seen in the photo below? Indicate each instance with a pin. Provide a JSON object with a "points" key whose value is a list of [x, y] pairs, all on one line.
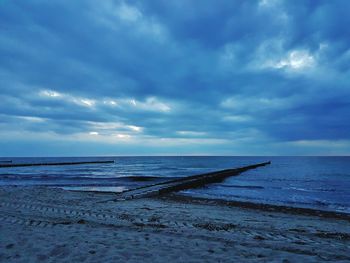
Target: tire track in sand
{"points": [[51, 212]]}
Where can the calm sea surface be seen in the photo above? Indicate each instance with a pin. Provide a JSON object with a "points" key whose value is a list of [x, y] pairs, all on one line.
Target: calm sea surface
{"points": [[315, 182]]}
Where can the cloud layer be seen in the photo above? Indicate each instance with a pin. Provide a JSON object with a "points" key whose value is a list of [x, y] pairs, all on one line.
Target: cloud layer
{"points": [[174, 77]]}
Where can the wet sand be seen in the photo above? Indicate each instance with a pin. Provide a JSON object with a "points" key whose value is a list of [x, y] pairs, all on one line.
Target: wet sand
{"points": [[52, 225]]}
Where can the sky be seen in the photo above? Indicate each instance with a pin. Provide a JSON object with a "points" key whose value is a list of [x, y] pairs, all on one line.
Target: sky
{"points": [[243, 77]]}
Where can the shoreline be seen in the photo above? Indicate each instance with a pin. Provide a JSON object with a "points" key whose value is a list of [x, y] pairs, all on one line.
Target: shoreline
{"points": [[52, 224], [215, 201], [243, 204], [261, 206]]}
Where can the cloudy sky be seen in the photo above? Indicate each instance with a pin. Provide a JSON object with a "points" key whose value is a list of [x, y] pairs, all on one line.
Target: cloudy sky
{"points": [[244, 77]]}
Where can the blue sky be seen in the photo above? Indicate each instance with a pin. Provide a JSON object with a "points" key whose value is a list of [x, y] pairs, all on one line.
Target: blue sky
{"points": [[178, 77]]}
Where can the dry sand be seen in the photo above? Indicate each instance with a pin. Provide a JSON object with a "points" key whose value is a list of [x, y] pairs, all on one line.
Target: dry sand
{"points": [[53, 225]]}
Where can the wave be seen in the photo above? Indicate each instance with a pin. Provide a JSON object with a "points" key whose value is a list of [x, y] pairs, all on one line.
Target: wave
{"points": [[148, 178], [133, 178], [244, 186]]}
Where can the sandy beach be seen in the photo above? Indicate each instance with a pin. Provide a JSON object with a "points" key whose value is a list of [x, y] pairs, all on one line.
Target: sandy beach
{"points": [[39, 224]]}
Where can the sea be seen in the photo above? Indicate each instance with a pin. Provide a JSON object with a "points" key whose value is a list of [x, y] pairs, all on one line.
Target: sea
{"points": [[309, 182]]}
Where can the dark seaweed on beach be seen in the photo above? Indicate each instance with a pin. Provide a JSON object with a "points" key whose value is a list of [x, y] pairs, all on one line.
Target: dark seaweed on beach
{"points": [[336, 235], [215, 227]]}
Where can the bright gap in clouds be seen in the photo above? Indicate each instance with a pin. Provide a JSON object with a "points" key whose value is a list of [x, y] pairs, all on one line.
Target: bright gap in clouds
{"points": [[149, 104], [296, 60]]}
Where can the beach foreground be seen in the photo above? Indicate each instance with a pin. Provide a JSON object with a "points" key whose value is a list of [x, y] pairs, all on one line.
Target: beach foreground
{"points": [[54, 225]]}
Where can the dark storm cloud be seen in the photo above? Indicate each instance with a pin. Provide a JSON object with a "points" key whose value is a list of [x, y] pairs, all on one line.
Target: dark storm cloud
{"points": [[265, 71]]}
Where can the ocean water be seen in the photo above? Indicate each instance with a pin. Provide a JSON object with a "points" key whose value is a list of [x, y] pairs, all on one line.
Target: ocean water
{"points": [[312, 182]]}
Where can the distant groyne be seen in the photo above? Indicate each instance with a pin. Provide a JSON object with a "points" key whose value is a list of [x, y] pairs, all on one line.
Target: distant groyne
{"points": [[8, 165]]}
